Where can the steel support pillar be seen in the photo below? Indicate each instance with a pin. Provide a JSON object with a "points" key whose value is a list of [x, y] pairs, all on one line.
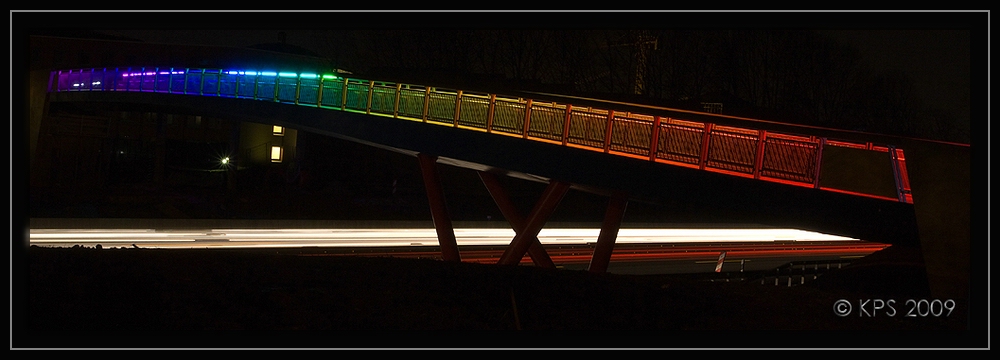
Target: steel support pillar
{"points": [[546, 205], [609, 233], [439, 208], [514, 218]]}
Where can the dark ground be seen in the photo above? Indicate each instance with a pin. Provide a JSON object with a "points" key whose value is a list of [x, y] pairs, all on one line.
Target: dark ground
{"points": [[144, 298], [125, 298]]}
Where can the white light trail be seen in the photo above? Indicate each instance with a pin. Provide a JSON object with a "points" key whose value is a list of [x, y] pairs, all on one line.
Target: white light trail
{"points": [[400, 237]]}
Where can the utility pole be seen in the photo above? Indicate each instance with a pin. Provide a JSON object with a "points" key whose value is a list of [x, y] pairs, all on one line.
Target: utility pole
{"points": [[640, 41]]}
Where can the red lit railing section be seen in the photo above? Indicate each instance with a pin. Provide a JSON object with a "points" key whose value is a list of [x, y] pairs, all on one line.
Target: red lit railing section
{"points": [[792, 159], [788, 158]]}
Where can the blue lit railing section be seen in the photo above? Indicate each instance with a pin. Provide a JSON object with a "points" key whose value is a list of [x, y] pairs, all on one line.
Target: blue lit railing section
{"points": [[791, 159]]}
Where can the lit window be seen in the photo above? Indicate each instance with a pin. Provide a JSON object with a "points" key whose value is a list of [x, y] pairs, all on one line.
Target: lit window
{"points": [[275, 153], [278, 130]]}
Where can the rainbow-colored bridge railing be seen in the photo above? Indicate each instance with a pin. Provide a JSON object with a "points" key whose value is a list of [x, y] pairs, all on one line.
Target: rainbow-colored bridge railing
{"points": [[792, 159]]}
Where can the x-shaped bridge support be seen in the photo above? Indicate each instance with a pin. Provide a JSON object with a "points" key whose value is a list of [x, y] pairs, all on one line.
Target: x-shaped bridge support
{"points": [[526, 229]]}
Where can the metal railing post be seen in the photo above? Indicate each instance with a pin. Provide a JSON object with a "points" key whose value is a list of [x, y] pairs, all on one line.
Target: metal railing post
{"points": [[298, 87], [156, 78], [655, 144], [761, 138], [128, 83], [218, 84], [276, 87], [187, 71], [319, 92], [569, 114], [819, 161], [427, 100], [904, 178], [607, 131], [896, 175], [343, 95], [236, 91], [201, 84], [458, 106], [142, 78], [256, 84], [527, 118], [705, 139], [489, 113], [371, 90], [395, 105]]}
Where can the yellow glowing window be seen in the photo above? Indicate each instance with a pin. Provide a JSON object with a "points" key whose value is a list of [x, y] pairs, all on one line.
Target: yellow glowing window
{"points": [[276, 154], [278, 130]]}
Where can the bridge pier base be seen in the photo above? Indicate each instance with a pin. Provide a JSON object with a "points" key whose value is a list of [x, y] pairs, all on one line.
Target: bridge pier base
{"points": [[609, 233], [439, 209], [546, 205], [535, 250]]}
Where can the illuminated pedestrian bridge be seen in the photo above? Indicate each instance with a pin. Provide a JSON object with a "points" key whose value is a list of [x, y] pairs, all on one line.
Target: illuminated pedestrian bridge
{"points": [[791, 159], [627, 152]]}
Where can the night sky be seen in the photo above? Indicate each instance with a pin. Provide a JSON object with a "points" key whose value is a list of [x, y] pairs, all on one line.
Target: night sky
{"points": [[938, 60], [934, 49]]}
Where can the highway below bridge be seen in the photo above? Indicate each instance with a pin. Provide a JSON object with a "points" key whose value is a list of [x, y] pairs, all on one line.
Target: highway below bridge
{"points": [[646, 250]]}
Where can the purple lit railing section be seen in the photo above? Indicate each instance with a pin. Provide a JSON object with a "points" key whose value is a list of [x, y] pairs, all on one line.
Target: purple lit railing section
{"points": [[784, 158]]}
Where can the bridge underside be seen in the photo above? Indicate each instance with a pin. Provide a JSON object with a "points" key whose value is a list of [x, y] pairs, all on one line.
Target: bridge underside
{"points": [[595, 172]]}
